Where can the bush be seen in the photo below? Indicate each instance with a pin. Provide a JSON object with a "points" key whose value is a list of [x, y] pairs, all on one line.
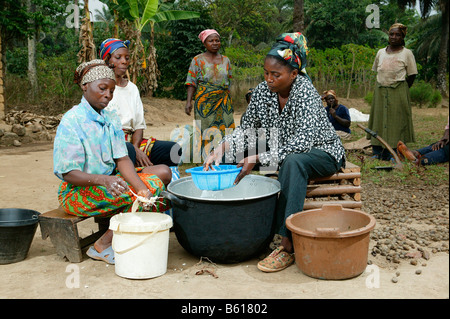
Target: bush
{"points": [[436, 99], [421, 93], [56, 91], [334, 67], [17, 61], [368, 98]]}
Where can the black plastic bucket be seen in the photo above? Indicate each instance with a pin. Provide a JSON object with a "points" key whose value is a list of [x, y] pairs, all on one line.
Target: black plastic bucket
{"points": [[17, 229]]}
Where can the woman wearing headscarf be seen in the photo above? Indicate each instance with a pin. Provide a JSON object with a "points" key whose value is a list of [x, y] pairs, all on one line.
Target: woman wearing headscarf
{"points": [[207, 83], [128, 105], [338, 114], [90, 158], [391, 115], [301, 140]]}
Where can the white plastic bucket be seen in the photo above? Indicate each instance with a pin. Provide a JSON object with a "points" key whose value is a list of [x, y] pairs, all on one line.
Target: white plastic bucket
{"points": [[141, 244]]}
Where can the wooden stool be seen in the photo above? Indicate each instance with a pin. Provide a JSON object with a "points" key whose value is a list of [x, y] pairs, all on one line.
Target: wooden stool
{"points": [[342, 188], [63, 231]]}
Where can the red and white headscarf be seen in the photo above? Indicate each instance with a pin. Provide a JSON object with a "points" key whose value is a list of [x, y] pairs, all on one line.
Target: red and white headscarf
{"points": [[205, 33]]}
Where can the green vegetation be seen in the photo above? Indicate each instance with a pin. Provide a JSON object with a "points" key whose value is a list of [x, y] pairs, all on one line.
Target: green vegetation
{"points": [[423, 94], [342, 48]]}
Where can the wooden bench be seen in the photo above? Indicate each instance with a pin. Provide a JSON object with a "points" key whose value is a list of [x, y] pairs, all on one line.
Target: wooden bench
{"points": [[343, 188], [62, 229]]}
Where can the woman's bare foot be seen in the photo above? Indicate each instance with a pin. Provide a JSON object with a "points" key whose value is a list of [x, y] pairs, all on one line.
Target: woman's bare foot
{"points": [[104, 242], [287, 244]]}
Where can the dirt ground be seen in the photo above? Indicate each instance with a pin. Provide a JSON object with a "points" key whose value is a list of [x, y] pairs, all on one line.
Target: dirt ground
{"points": [[27, 181]]}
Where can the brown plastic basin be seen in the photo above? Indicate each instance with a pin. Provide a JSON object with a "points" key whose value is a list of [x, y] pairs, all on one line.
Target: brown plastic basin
{"points": [[331, 242]]}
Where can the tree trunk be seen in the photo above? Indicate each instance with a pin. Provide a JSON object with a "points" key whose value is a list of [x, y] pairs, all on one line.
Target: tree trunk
{"points": [[32, 74], [87, 51], [443, 50], [3, 53], [151, 71], [298, 16], [76, 17], [2, 92], [116, 22], [351, 75]]}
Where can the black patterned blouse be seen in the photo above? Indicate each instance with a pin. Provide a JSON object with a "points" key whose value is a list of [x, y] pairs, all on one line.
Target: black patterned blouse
{"points": [[302, 125]]}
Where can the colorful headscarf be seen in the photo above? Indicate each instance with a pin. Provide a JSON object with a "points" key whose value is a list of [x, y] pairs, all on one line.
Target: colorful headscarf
{"points": [[293, 48], [403, 28], [110, 45], [93, 70], [205, 33]]}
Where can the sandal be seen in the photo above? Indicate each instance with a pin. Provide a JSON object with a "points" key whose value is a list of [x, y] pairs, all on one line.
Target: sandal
{"points": [[107, 255], [278, 260], [404, 152]]}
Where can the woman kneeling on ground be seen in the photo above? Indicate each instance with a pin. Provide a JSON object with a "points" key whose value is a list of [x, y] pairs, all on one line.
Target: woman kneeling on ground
{"points": [[90, 157], [302, 141]]}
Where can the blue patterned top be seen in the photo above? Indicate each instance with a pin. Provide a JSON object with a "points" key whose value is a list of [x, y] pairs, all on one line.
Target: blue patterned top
{"points": [[88, 141]]}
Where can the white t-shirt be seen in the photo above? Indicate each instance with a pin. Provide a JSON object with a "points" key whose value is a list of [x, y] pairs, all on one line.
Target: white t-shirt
{"points": [[127, 103], [394, 67]]}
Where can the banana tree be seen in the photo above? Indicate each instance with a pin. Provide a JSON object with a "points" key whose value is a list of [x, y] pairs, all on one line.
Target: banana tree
{"points": [[87, 51], [135, 15]]}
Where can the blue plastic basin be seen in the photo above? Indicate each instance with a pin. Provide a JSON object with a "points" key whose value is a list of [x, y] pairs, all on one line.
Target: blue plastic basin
{"points": [[222, 177]]}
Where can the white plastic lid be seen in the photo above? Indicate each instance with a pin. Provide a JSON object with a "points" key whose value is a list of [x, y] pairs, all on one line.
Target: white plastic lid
{"points": [[140, 222]]}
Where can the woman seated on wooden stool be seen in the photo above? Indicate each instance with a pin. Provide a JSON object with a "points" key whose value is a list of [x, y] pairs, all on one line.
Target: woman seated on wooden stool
{"points": [[90, 157], [302, 141]]}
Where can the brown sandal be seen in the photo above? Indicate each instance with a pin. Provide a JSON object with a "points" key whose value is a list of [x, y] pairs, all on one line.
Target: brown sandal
{"points": [[404, 152], [278, 260]]}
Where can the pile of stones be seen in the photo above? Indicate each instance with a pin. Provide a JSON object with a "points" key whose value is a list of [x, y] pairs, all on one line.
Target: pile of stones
{"points": [[17, 134], [22, 127], [412, 221]]}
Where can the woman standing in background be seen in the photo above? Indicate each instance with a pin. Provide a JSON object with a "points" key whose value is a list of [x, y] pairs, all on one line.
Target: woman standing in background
{"points": [[391, 115], [207, 83]]}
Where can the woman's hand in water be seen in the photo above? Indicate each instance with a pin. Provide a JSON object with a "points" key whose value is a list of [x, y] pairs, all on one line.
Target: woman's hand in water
{"points": [[214, 158], [115, 185], [247, 165]]}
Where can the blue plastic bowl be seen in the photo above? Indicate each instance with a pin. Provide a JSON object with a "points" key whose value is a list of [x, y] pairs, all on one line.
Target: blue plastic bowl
{"points": [[213, 180]]}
